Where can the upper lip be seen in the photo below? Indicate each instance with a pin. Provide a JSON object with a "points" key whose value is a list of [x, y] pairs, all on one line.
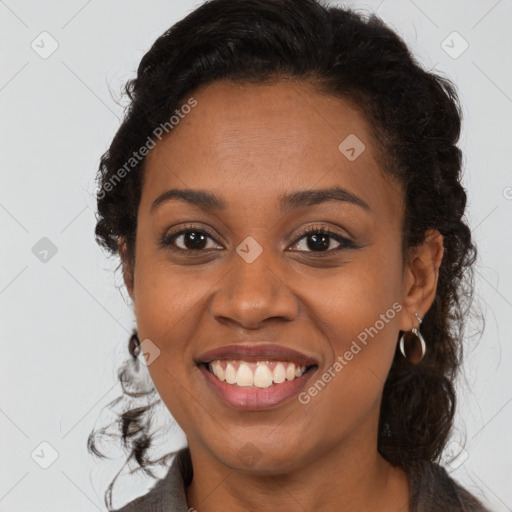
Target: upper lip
{"points": [[258, 352]]}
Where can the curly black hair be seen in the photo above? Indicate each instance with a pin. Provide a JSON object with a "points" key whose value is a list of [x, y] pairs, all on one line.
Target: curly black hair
{"points": [[415, 117]]}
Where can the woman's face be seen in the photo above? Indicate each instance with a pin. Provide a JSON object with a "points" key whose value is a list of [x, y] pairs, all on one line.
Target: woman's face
{"points": [[240, 285]]}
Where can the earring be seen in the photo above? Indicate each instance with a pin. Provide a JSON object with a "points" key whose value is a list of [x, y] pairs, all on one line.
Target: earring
{"points": [[415, 331]]}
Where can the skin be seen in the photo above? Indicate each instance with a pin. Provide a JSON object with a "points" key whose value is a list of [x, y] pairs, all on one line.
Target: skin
{"points": [[249, 144]]}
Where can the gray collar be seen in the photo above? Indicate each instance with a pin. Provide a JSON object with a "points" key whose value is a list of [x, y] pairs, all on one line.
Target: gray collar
{"points": [[168, 494]]}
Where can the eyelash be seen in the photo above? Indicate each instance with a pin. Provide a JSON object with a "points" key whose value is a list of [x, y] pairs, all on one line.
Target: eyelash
{"points": [[167, 240]]}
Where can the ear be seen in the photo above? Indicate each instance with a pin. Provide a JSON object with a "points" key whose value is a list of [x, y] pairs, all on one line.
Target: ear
{"points": [[127, 265], [421, 274]]}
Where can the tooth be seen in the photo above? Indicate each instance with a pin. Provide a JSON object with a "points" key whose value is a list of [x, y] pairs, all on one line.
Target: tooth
{"points": [[218, 370], [230, 374], [262, 376], [244, 375], [290, 371], [279, 373]]}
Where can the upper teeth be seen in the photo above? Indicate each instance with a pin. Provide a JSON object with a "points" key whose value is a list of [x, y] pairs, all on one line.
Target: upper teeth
{"points": [[260, 374]]}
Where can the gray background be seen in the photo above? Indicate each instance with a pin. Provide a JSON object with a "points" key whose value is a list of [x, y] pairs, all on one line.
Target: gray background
{"points": [[65, 320]]}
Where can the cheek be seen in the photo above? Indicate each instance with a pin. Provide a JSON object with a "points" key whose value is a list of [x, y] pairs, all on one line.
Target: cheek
{"points": [[361, 325], [355, 296], [167, 303], [361, 329], [358, 312]]}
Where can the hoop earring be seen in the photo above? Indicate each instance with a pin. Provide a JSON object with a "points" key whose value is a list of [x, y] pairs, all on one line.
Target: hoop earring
{"points": [[415, 331]]}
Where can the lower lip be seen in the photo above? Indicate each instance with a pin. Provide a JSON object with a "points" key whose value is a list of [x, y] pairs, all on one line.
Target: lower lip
{"points": [[252, 398]]}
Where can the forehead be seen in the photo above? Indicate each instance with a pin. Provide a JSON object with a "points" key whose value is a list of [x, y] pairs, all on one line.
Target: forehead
{"points": [[247, 142]]}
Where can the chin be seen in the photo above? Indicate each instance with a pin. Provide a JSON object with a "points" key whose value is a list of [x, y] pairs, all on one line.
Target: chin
{"points": [[259, 454]]}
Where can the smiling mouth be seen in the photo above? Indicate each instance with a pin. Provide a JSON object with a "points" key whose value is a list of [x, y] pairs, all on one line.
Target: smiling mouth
{"points": [[256, 374]]}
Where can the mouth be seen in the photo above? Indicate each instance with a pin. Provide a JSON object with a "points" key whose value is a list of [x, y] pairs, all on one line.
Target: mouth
{"points": [[256, 376], [261, 374]]}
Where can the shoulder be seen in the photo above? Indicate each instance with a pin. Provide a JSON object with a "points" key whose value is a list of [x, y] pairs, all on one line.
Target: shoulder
{"points": [[167, 494], [432, 490]]}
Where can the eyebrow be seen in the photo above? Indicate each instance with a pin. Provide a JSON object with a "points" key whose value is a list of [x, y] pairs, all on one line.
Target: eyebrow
{"points": [[288, 202]]}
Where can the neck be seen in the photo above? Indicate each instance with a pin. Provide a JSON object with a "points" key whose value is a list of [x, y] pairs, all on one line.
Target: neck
{"points": [[351, 477]]}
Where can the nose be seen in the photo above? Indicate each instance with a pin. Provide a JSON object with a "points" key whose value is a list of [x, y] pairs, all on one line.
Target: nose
{"points": [[253, 293]]}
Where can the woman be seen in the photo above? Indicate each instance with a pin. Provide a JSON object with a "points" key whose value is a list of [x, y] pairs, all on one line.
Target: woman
{"points": [[284, 194]]}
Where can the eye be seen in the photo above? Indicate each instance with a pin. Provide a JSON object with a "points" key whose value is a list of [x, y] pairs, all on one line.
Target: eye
{"points": [[319, 240], [316, 239], [188, 239]]}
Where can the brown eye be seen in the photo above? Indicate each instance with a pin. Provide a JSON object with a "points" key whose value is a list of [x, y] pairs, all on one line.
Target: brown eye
{"points": [[318, 240], [189, 239]]}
